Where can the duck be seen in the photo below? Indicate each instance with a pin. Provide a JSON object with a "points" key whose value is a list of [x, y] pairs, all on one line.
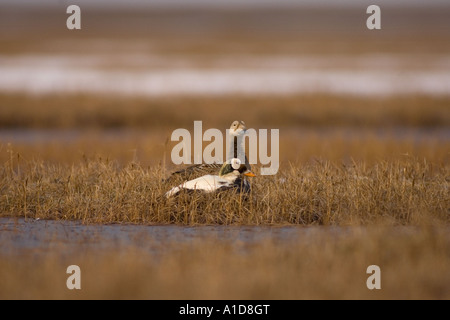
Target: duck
{"points": [[237, 129], [229, 177]]}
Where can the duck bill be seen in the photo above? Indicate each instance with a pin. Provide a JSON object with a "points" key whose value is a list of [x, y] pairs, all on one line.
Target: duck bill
{"points": [[249, 174]]}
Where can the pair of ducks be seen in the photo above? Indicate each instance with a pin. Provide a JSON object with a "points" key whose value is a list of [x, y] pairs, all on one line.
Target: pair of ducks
{"points": [[231, 174]]}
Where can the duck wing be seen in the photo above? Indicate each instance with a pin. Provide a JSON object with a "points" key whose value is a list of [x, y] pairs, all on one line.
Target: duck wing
{"points": [[194, 171]]}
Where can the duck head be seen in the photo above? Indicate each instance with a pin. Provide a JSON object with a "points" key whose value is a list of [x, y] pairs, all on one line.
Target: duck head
{"points": [[237, 128], [235, 167]]}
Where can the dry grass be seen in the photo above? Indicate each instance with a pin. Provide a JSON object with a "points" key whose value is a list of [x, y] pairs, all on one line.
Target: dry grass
{"points": [[302, 111], [322, 192], [414, 264]]}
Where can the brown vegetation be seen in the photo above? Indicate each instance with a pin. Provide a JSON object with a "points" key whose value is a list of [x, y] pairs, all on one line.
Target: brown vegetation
{"points": [[101, 191], [301, 111]]}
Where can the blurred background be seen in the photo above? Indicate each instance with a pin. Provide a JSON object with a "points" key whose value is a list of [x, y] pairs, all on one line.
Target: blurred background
{"points": [[137, 70]]}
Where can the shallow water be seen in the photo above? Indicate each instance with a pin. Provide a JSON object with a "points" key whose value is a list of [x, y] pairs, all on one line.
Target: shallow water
{"points": [[19, 235], [42, 136], [40, 238]]}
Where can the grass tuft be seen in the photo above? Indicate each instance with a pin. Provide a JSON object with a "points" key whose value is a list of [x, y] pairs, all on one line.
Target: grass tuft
{"points": [[405, 192]]}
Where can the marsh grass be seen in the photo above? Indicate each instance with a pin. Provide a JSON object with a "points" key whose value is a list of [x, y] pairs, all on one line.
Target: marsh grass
{"points": [[298, 111], [321, 192]]}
